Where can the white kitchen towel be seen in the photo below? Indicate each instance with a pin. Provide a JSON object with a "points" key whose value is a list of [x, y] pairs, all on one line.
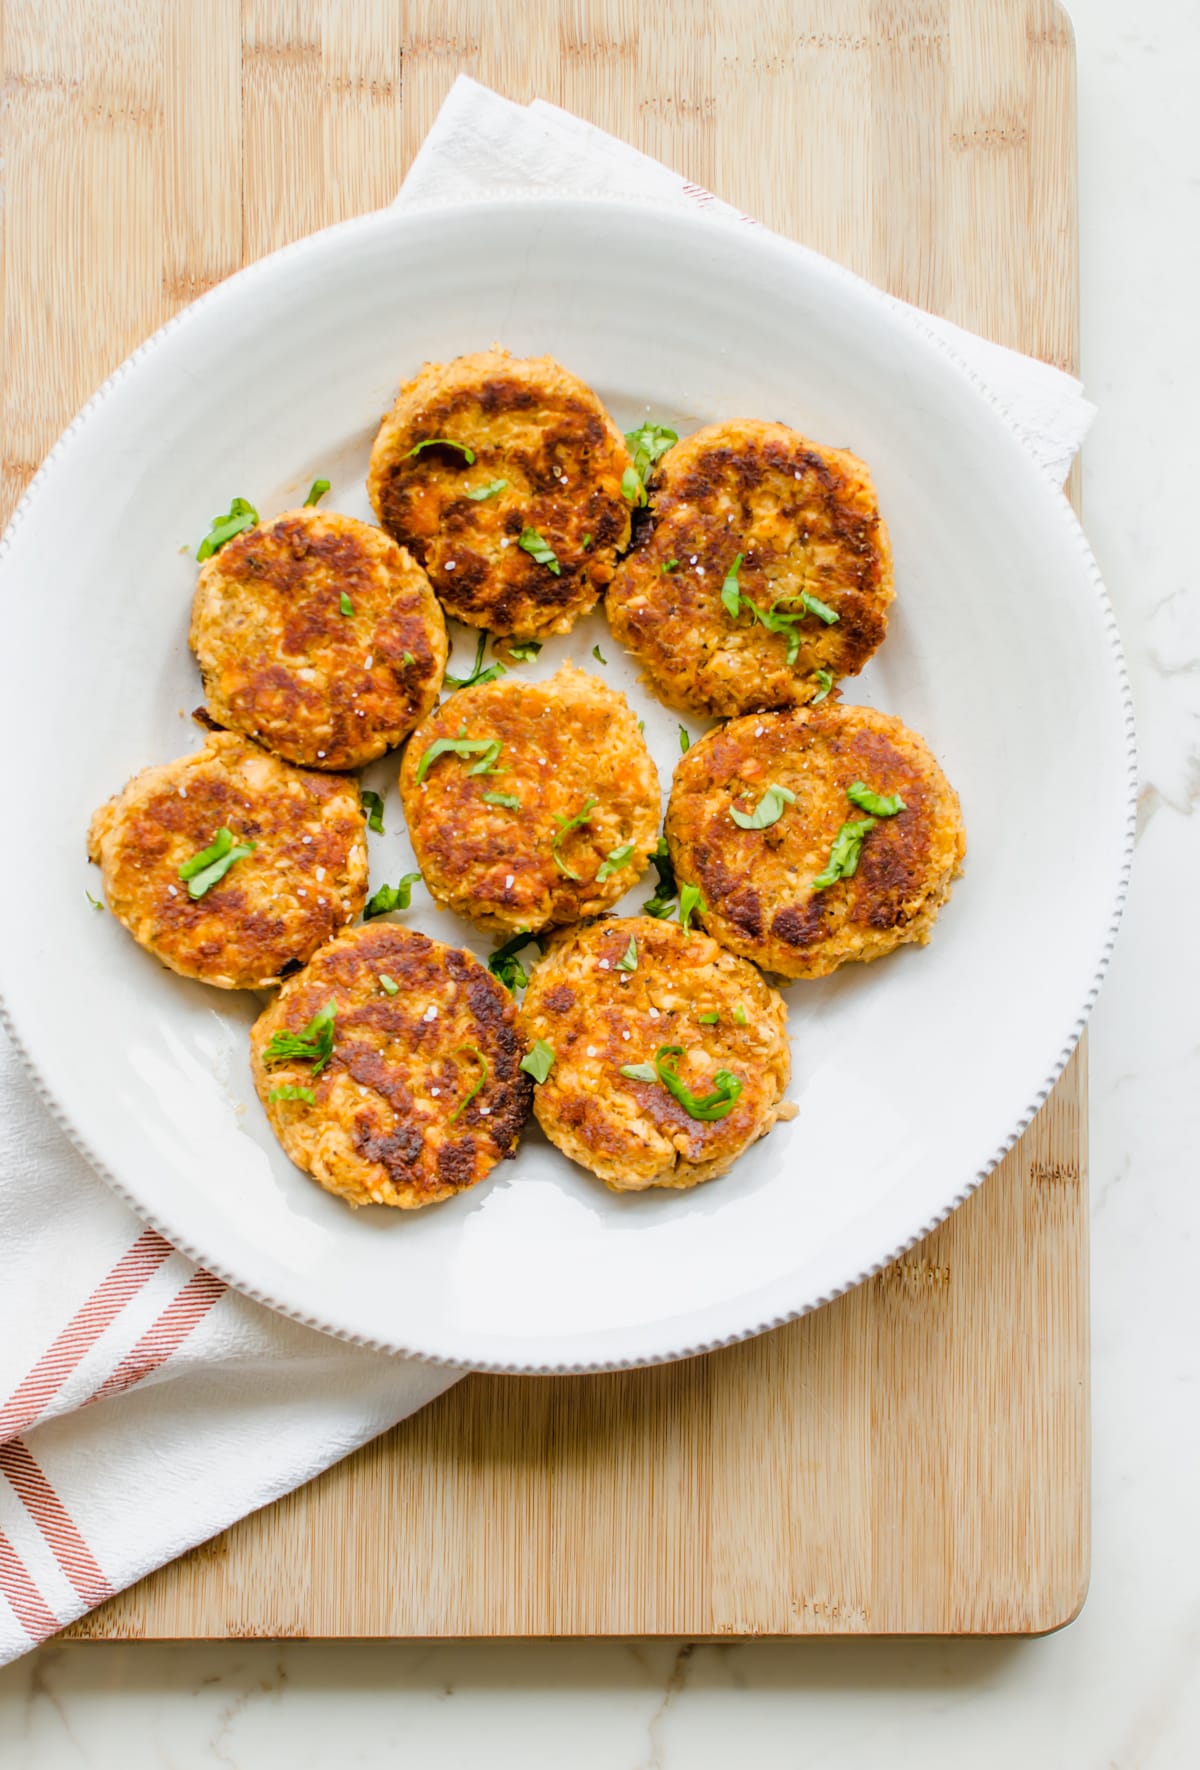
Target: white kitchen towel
{"points": [[143, 1405]]}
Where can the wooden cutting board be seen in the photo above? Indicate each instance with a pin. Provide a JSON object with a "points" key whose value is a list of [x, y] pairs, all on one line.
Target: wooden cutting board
{"points": [[913, 1458]]}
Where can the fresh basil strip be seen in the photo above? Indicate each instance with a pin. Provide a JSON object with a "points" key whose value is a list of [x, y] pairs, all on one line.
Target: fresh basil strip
{"points": [[471, 1051], [538, 1061], [290, 1091], [443, 442], [648, 444], [240, 516], [878, 804], [691, 898], [460, 746], [314, 1045], [613, 860], [629, 958], [717, 1105], [372, 804], [532, 543], [822, 610], [565, 826], [316, 492], [662, 903], [505, 964], [768, 811], [478, 673], [494, 486], [844, 855], [731, 594], [524, 651], [209, 867], [391, 897], [632, 488]]}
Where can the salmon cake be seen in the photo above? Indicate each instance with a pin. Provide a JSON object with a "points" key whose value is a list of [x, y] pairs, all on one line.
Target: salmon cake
{"points": [[761, 575], [530, 804], [816, 836], [390, 1069], [660, 1057], [231, 866], [503, 476], [318, 636]]}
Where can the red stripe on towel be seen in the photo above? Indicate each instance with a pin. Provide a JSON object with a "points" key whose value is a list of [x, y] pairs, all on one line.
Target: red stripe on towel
{"points": [[85, 1327], [169, 1332], [55, 1523], [28, 1605]]}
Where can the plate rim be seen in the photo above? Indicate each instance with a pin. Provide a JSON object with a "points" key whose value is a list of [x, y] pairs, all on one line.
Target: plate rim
{"points": [[933, 341]]}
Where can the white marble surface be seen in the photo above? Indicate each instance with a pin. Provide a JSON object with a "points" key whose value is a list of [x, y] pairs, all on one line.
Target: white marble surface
{"points": [[1120, 1688]]}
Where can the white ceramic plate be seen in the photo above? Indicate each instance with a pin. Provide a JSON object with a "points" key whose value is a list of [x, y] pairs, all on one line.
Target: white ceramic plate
{"points": [[912, 1076]]}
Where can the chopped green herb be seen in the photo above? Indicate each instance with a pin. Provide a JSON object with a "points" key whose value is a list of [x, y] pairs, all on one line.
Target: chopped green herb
{"points": [[632, 489], [672, 565], [717, 1105], [345, 604], [316, 492], [844, 855], [524, 651], [391, 897], [478, 673], [471, 1051], [647, 444], [209, 867], [565, 826], [444, 442], [822, 610], [712, 1018], [372, 804], [825, 679], [539, 1061], [685, 742], [641, 725], [691, 898], [599, 655], [532, 543], [290, 1091], [94, 901], [240, 516], [388, 985], [508, 801], [587, 543], [505, 964], [628, 959], [614, 859], [731, 592], [768, 811], [663, 901], [314, 1045], [407, 659], [491, 490], [739, 1014], [878, 804], [487, 749]]}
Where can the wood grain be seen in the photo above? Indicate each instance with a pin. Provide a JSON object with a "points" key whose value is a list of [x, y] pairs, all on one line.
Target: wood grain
{"points": [[913, 1458]]}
